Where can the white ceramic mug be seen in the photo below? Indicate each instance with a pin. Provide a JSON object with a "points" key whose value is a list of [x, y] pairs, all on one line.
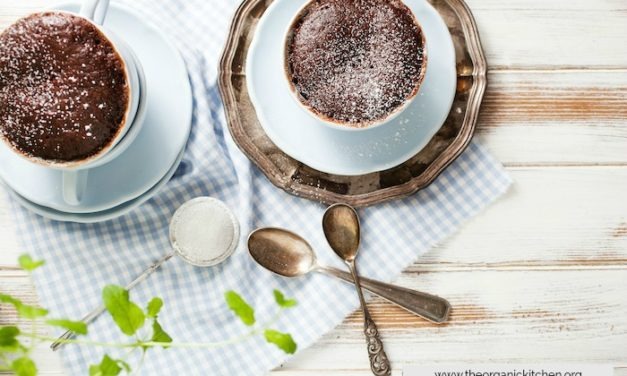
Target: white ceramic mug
{"points": [[337, 124], [75, 173]]}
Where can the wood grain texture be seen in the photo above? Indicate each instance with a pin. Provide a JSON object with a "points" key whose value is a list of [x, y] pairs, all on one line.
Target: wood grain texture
{"points": [[556, 117], [539, 34], [498, 319], [553, 218], [541, 275]]}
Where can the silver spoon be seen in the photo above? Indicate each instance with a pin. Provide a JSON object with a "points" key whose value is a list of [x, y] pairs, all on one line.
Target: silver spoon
{"points": [[289, 255], [194, 227], [341, 228]]}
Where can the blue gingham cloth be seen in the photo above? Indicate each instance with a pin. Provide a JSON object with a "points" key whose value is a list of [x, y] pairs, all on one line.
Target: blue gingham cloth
{"points": [[81, 259]]}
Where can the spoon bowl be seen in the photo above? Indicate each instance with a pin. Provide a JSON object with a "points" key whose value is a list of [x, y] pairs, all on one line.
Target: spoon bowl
{"points": [[282, 252], [341, 228]]}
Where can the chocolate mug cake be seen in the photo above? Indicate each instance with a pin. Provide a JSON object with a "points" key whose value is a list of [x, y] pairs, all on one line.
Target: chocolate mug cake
{"points": [[355, 62], [64, 90]]}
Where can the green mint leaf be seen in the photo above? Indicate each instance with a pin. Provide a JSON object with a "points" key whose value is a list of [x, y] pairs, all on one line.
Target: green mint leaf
{"points": [[126, 314], [8, 340], [283, 341], [8, 334], [238, 305], [24, 366], [159, 335], [154, 306], [23, 310], [107, 367], [281, 301], [28, 264], [12, 348], [124, 365], [77, 327], [4, 298], [31, 312]]}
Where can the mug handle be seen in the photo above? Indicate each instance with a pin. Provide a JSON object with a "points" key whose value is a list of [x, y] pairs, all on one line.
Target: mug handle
{"points": [[95, 10], [75, 181], [74, 185]]}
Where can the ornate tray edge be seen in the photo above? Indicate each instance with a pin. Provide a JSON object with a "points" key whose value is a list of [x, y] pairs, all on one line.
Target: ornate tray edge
{"points": [[448, 156], [228, 98]]}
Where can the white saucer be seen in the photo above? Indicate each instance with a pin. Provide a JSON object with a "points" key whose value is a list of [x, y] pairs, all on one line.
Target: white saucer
{"points": [[338, 151], [157, 146], [100, 216]]}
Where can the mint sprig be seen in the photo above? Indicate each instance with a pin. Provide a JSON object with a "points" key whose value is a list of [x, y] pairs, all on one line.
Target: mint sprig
{"points": [[16, 344], [154, 306], [246, 313], [126, 314], [77, 327], [159, 335], [283, 341], [280, 299], [27, 263], [24, 311], [8, 338], [24, 366], [108, 367], [240, 307]]}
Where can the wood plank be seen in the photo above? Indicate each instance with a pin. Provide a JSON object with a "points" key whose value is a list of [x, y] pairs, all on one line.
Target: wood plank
{"points": [[516, 33], [551, 218], [530, 316], [552, 38], [568, 96], [556, 117]]}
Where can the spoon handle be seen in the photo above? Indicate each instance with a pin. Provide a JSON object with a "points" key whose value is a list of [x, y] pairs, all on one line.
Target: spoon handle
{"points": [[91, 316], [427, 306], [379, 362]]}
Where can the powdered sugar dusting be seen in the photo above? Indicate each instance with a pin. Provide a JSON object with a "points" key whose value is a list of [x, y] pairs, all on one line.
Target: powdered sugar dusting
{"points": [[54, 70], [355, 61]]}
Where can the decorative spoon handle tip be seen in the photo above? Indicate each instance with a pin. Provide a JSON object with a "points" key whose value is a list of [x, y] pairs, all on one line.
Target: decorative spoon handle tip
{"points": [[379, 362]]}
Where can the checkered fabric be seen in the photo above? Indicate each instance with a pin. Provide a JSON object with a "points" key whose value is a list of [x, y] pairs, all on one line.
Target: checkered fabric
{"points": [[81, 259]]}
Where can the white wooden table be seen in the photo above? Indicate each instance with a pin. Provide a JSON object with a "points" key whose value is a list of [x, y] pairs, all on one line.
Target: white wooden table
{"points": [[541, 276]]}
